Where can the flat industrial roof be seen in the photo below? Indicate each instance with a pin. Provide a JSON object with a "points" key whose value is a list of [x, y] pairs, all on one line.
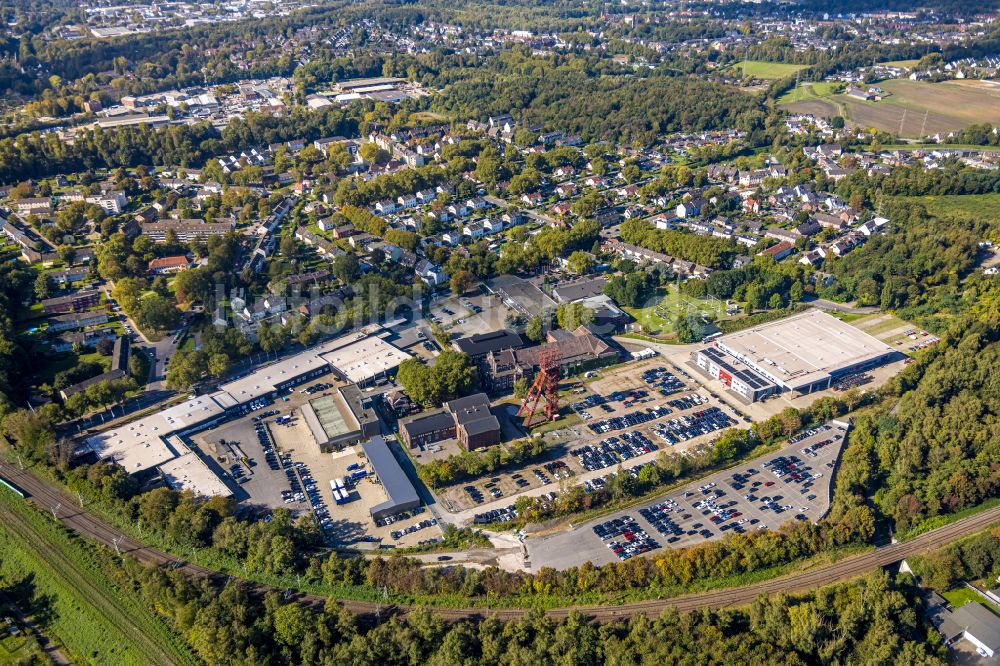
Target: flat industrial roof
{"points": [[333, 420], [189, 472], [139, 446], [523, 294], [802, 349], [394, 480], [737, 368], [369, 357], [266, 380]]}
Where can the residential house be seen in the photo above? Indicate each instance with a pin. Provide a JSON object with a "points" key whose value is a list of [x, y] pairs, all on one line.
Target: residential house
{"points": [[779, 251], [167, 265]]}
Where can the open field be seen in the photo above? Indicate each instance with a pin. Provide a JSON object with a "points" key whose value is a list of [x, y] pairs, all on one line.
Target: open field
{"points": [[93, 620], [901, 63], [918, 108], [765, 70], [819, 107], [808, 90], [978, 206], [660, 316]]}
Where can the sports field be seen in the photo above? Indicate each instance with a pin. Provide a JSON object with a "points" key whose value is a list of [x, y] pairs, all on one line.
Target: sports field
{"points": [[764, 70], [660, 315]]}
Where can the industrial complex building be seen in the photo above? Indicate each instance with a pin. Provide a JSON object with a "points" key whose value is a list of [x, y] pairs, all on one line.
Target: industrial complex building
{"points": [[578, 350], [402, 496], [147, 445], [801, 354], [341, 419], [467, 419]]}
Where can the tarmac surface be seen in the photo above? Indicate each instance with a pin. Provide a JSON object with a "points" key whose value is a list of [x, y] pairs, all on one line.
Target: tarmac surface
{"points": [[580, 543]]}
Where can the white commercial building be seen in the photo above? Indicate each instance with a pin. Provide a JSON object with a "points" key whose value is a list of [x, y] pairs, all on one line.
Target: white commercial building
{"points": [[155, 442], [803, 353]]}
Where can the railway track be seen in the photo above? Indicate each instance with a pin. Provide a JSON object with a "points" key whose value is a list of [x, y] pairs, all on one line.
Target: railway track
{"points": [[48, 498]]}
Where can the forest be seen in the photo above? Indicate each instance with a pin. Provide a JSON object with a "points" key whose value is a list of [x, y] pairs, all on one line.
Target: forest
{"points": [[872, 620]]}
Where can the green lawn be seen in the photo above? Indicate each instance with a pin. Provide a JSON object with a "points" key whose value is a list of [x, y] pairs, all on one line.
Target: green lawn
{"points": [[806, 91], [959, 596], [20, 649], [91, 617], [660, 316], [978, 206], [764, 70]]}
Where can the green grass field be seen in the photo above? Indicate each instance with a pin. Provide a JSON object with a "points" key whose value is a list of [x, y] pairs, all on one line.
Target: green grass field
{"points": [[807, 91], [959, 596], [92, 619], [764, 70], [659, 317], [901, 63], [977, 206]]}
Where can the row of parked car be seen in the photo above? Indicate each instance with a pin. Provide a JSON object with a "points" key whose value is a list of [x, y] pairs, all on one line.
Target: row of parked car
{"points": [[664, 381], [261, 417], [659, 517], [258, 404], [692, 425], [806, 434], [624, 537], [416, 527], [264, 438], [629, 420], [613, 450], [404, 515], [316, 502], [316, 388], [812, 449], [501, 515]]}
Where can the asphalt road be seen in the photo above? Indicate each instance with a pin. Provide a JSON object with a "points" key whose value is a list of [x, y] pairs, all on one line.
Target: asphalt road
{"points": [[82, 521]]}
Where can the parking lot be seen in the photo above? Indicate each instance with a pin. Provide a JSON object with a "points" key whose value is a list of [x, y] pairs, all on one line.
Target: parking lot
{"points": [[650, 407], [271, 458], [792, 484]]}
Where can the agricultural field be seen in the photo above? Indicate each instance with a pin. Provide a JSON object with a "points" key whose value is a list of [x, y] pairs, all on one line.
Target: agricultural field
{"points": [[91, 618], [660, 316], [764, 70], [908, 64], [979, 206], [917, 108], [809, 91]]}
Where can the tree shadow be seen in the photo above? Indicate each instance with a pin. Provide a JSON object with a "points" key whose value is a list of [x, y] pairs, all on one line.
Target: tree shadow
{"points": [[24, 595]]}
